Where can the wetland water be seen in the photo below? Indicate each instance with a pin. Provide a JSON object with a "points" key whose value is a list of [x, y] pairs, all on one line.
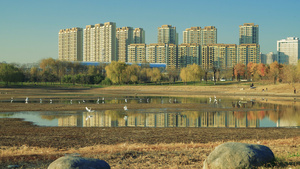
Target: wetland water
{"points": [[220, 112]]}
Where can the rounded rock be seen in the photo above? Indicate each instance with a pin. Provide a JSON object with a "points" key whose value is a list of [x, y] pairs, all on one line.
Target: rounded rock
{"points": [[74, 162], [238, 155]]}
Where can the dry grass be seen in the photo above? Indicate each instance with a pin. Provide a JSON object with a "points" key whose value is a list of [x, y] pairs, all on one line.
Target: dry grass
{"points": [[33, 147], [124, 155]]}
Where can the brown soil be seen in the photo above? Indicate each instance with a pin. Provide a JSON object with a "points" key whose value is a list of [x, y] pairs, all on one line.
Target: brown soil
{"points": [[23, 143]]}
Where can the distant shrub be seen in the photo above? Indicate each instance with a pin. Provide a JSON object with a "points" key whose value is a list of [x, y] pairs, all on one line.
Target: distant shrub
{"points": [[106, 81]]}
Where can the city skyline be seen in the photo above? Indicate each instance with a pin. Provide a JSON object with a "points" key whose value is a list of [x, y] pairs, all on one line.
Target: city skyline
{"points": [[29, 29]]}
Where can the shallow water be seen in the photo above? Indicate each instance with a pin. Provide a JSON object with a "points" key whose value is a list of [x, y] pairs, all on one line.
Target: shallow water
{"points": [[247, 113]]}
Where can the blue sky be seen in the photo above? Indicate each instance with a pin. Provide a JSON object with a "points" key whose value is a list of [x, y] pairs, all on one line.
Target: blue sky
{"points": [[29, 29]]}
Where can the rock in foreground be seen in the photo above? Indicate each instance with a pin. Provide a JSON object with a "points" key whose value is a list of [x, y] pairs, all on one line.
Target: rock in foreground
{"points": [[74, 162], [238, 155]]}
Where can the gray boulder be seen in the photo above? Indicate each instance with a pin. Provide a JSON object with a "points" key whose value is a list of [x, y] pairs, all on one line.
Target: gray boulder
{"points": [[238, 155], [75, 162]]}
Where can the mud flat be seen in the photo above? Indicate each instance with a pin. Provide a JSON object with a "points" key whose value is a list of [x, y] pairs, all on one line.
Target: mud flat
{"points": [[29, 146]]}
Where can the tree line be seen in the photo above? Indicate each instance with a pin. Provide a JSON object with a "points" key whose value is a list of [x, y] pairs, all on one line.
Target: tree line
{"points": [[56, 71]]}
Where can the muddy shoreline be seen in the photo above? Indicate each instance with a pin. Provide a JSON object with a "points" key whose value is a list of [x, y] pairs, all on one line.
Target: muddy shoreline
{"points": [[24, 144]]}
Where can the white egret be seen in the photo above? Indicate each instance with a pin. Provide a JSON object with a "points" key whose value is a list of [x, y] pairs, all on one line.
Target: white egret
{"points": [[89, 109], [26, 100], [216, 101], [125, 108], [88, 117], [125, 118], [41, 101], [125, 100], [11, 99], [50, 101]]}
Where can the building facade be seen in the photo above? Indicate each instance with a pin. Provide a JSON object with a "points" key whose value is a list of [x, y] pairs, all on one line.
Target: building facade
{"points": [[172, 57], [138, 35], [91, 43], [137, 53], [288, 50], [247, 53], [220, 56], [108, 42], [124, 37], [167, 34], [99, 42], [192, 35], [268, 58], [163, 53], [248, 34], [231, 55], [208, 35], [70, 44], [188, 54]]}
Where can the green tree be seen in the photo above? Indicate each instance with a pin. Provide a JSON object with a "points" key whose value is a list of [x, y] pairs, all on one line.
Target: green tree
{"points": [[132, 73], [184, 75], [9, 73], [116, 72], [34, 74], [155, 75], [143, 77]]}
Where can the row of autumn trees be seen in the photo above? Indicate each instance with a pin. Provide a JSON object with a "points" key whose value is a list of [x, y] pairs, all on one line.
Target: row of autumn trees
{"points": [[51, 70], [274, 72]]}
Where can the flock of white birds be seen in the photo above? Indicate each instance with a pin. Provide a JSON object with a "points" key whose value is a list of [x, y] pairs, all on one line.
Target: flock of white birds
{"points": [[214, 100]]}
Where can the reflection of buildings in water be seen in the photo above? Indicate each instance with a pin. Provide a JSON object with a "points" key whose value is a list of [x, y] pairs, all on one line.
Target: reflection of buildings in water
{"points": [[68, 121], [287, 123], [203, 119]]}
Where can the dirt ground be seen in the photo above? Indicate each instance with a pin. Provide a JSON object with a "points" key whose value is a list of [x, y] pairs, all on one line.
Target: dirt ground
{"points": [[29, 146]]}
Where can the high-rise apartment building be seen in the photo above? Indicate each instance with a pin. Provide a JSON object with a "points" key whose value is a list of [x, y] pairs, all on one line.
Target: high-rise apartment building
{"points": [[124, 37], [137, 53], [172, 57], [138, 35], [288, 50], [207, 57], [167, 34], [88, 41], [156, 53], [108, 42], [247, 53], [248, 33], [231, 55], [192, 35], [208, 35], [268, 58], [188, 54], [91, 43], [151, 50], [162, 53], [219, 56], [99, 42], [70, 44]]}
